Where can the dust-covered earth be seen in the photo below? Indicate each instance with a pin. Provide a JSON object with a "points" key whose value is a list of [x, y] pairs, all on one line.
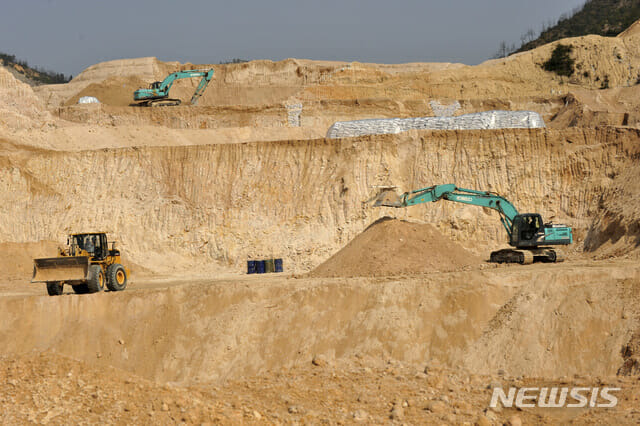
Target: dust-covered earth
{"points": [[382, 315]]}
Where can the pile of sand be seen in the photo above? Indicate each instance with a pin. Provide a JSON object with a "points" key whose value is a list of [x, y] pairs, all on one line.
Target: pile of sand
{"points": [[16, 259], [114, 90], [395, 247]]}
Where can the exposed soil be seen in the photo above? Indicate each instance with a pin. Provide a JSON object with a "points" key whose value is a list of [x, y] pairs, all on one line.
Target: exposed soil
{"points": [[396, 247], [191, 193], [48, 388], [16, 259]]}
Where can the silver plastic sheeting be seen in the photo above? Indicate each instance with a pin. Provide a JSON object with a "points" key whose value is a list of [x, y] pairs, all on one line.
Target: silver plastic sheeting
{"points": [[478, 120]]}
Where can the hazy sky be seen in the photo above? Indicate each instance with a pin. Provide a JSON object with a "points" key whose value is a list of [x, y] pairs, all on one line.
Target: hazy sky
{"points": [[69, 35]]}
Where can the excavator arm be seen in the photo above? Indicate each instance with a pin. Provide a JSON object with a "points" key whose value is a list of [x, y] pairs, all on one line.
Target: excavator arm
{"points": [[451, 192], [202, 86]]}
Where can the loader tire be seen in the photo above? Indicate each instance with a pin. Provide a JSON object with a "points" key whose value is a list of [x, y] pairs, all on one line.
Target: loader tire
{"points": [[116, 277], [54, 288], [80, 289], [96, 280]]}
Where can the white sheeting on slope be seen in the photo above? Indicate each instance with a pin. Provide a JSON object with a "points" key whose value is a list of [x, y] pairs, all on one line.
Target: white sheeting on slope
{"points": [[478, 120]]}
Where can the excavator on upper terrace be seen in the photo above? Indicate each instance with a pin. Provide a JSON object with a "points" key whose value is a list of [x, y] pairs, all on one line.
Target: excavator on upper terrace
{"points": [[527, 232], [158, 93]]}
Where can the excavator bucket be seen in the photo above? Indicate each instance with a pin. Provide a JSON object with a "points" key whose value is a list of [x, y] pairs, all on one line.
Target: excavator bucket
{"points": [[387, 198], [71, 268]]}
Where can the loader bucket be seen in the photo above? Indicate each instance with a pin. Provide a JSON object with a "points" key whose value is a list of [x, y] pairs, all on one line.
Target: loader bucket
{"points": [[71, 268], [388, 198]]}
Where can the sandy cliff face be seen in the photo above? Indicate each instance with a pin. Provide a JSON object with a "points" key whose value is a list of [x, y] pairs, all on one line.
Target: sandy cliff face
{"points": [[20, 108], [303, 200], [616, 229]]}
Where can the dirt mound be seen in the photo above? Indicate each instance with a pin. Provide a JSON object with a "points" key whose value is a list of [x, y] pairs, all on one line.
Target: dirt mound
{"points": [[396, 247], [111, 91], [16, 259]]}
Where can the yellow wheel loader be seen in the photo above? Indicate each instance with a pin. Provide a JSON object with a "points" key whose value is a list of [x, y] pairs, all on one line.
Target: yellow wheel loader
{"points": [[87, 264]]}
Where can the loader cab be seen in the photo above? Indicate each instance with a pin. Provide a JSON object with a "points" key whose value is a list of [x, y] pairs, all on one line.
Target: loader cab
{"points": [[527, 230], [94, 243]]}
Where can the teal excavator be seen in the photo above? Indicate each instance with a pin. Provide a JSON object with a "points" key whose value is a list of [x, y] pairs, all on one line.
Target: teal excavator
{"points": [[527, 232], [158, 92]]}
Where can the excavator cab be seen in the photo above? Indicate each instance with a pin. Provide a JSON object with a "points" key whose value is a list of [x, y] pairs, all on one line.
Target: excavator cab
{"points": [[527, 230]]}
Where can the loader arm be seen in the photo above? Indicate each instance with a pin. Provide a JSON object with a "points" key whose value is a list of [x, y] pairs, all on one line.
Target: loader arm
{"points": [[451, 192]]}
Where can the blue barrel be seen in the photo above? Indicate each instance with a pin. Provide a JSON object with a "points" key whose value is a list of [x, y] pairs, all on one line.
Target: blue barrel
{"points": [[251, 266], [260, 267], [269, 266], [278, 265]]}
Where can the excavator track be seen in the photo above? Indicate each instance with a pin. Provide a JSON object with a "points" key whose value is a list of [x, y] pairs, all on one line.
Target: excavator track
{"points": [[523, 257], [162, 102], [527, 257], [559, 257]]}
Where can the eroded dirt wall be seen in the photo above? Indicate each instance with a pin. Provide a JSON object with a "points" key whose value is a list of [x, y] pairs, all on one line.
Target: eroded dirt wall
{"points": [[302, 200]]}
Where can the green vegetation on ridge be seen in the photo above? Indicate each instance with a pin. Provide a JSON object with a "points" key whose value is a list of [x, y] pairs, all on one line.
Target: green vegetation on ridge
{"points": [[35, 75], [601, 17]]}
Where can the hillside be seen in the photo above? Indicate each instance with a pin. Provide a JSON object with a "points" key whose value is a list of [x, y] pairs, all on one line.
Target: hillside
{"points": [[601, 17], [31, 75]]}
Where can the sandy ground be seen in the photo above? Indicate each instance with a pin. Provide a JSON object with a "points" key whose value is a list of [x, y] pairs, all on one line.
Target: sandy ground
{"points": [[400, 321], [392, 361]]}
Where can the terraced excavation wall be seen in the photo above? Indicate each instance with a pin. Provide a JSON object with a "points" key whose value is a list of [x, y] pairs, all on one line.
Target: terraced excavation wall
{"points": [[301, 200]]}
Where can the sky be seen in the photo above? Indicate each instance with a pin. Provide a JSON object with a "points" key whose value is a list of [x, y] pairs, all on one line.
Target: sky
{"points": [[69, 35]]}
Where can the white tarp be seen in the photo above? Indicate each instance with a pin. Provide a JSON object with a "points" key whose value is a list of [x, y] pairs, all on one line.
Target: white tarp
{"points": [[88, 100], [478, 120]]}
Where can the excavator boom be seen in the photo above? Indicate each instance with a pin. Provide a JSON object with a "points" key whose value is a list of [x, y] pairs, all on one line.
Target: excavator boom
{"points": [[452, 193]]}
